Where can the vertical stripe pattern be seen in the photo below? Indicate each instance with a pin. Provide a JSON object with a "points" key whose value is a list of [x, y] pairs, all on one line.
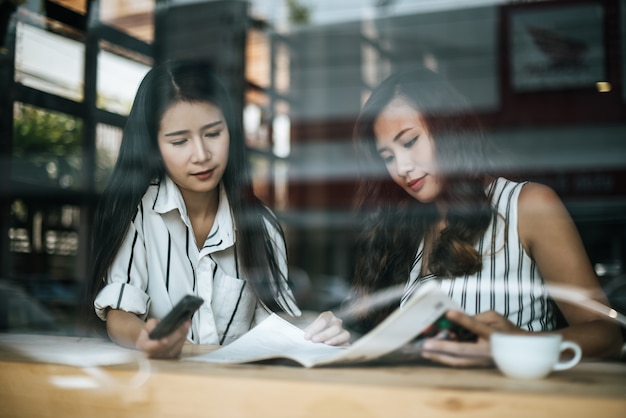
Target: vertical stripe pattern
{"points": [[159, 262], [509, 281]]}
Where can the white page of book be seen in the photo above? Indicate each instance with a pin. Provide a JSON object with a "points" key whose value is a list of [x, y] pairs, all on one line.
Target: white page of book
{"points": [[277, 338], [272, 338]]}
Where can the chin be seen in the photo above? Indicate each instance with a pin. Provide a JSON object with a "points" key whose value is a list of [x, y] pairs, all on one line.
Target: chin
{"points": [[422, 196]]}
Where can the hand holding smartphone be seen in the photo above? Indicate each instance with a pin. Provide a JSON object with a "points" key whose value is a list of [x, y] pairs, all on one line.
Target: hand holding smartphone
{"points": [[445, 329], [183, 311]]}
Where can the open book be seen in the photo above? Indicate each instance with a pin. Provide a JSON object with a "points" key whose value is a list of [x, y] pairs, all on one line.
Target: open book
{"points": [[275, 338]]}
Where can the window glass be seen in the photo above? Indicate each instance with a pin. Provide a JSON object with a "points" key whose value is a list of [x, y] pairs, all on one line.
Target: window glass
{"points": [[261, 171], [46, 148], [258, 70], [256, 115], [134, 17], [118, 79], [49, 62], [108, 140]]}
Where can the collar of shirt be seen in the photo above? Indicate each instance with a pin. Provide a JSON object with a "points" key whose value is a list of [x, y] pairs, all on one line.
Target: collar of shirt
{"points": [[222, 233]]}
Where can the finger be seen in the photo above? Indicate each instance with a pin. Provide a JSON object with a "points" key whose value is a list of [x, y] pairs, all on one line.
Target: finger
{"points": [[456, 361], [497, 321], [470, 323], [456, 353], [144, 342], [175, 349], [343, 338], [326, 334], [168, 347], [323, 321], [182, 331]]}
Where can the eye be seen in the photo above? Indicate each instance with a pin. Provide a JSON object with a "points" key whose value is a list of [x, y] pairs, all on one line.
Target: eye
{"points": [[213, 134], [411, 142], [179, 141]]}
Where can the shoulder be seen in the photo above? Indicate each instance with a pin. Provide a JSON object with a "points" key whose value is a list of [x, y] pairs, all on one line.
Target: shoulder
{"points": [[541, 213], [536, 196], [146, 204]]}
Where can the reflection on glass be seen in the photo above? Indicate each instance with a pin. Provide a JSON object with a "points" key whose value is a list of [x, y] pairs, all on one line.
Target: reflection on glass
{"points": [[135, 18], [255, 122], [44, 228], [281, 185], [282, 79], [281, 135], [251, 121], [46, 148], [261, 176], [258, 70], [49, 62], [108, 140], [118, 79]]}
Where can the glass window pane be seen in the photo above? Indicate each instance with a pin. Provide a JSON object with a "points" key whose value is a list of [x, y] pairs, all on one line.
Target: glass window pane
{"points": [[49, 62], [281, 185], [118, 79], [282, 61], [108, 140], [255, 120], [258, 58], [135, 17], [46, 148], [261, 176]]}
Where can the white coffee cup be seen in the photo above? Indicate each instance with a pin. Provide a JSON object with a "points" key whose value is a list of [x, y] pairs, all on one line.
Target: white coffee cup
{"points": [[532, 356]]}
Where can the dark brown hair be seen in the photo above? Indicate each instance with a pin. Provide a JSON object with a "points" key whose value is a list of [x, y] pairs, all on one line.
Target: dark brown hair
{"points": [[139, 163], [394, 223]]}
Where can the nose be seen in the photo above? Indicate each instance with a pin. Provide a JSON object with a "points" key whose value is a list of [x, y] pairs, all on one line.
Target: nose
{"points": [[201, 152], [404, 165]]}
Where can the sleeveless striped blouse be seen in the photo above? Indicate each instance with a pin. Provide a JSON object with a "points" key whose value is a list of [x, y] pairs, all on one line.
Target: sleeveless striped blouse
{"points": [[509, 282]]}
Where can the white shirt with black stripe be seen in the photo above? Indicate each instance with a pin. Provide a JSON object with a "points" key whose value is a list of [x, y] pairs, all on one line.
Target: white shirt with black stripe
{"points": [[159, 263], [509, 281]]}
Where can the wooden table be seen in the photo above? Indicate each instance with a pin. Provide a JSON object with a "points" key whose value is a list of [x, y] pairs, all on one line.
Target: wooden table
{"points": [[181, 388]]}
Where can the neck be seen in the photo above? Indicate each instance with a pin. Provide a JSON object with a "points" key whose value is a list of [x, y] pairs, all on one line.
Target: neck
{"points": [[201, 205]]}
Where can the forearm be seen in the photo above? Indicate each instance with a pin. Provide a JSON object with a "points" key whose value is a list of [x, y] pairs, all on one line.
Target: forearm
{"points": [[598, 339], [124, 327]]}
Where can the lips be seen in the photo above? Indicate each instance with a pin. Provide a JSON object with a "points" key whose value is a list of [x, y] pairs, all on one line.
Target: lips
{"points": [[203, 175], [416, 184]]}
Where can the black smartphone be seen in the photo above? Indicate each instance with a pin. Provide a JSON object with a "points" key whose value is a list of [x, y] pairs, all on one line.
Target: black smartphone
{"points": [[183, 311]]}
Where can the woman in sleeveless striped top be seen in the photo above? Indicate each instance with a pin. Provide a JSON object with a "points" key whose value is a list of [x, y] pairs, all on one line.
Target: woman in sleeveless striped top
{"points": [[494, 245]]}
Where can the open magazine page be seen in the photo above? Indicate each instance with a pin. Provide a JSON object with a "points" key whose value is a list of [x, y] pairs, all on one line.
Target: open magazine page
{"points": [[277, 338], [272, 338], [424, 308]]}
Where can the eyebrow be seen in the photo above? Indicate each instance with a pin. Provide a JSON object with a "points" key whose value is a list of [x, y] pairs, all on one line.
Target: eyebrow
{"points": [[184, 131], [395, 138]]}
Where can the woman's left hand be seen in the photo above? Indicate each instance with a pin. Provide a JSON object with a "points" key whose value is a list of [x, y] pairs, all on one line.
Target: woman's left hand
{"points": [[327, 329], [468, 354]]}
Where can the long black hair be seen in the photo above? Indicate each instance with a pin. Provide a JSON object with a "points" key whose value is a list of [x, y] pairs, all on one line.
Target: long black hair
{"points": [[394, 222], [139, 163]]}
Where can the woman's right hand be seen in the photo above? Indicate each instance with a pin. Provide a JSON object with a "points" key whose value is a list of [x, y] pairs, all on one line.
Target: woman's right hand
{"points": [[167, 347], [128, 330], [469, 354]]}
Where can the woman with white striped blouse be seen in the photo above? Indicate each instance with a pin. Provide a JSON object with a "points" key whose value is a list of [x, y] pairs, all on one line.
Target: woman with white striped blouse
{"points": [[491, 243], [179, 217]]}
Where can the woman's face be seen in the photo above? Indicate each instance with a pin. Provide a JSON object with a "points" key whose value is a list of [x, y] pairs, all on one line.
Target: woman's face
{"points": [[194, 140], [404, 144]]}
